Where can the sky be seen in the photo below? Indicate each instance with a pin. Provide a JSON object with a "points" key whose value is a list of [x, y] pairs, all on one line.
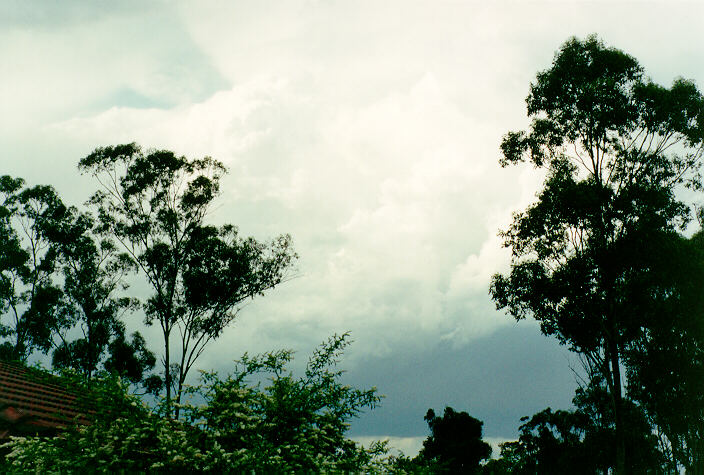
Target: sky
{"points": [[367, 130]]}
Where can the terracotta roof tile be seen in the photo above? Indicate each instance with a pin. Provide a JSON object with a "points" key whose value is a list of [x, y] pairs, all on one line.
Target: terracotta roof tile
{"points": [[33, 401]]}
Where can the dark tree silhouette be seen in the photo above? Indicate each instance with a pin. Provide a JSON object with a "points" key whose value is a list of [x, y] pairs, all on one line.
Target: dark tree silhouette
{"points": [[666, 364], [579, 441], [455, 444], [616, 146], [55, 278]]}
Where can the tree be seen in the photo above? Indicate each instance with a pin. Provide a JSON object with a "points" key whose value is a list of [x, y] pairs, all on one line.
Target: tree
{"points": [[55, 277], [155, 205], [616, 146], [455, 444], [579, 441], [666, 365], [93, 272], [550, 442], [124, 436], [28, 259]]}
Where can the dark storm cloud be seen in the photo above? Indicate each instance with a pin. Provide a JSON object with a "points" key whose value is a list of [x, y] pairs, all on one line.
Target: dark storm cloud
{"points": [[499, 378]]}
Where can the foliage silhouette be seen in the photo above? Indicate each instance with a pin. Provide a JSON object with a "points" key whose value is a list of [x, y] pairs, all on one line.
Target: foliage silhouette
{"points": [[615, 146], [455, 444], [580, 441], [55, 280], [666, 365]]}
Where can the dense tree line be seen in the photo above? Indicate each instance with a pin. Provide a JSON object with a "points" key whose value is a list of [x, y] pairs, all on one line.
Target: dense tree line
{"points": [[602, 260]]}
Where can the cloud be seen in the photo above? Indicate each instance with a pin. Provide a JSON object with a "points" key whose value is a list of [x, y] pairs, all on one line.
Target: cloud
{"points": [[393, 203], [495, 443], [368, 131], [84, 60], [216, 126]]}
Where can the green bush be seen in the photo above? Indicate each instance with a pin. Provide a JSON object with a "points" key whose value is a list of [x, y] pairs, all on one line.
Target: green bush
{"points": [[287, 424]]}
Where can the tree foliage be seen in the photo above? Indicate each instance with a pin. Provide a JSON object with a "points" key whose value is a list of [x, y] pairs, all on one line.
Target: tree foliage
{"points": [[58, 280], [93, 274], [455, 444], [155, 204], [288, 425], [579, 441], [30, 298], [615, 146], [666, 364]]}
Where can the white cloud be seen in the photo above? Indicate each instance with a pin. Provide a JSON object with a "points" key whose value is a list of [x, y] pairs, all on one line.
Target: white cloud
{"points": [[367, 130], [138, 56], [403, 190], [495, 443], [218, 126]]}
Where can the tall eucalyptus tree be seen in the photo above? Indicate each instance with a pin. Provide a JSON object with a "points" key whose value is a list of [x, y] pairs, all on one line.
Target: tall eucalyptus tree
{"points": [[155, 205], [616, 146]]}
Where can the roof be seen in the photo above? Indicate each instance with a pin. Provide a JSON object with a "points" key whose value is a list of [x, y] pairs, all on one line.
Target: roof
{"points": [[33, 402]]}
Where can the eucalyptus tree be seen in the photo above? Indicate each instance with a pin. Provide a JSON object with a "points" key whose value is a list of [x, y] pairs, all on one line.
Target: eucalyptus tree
{"points": [[616, 146], [94, 273], [579, 441], [30, 297], [155, 204], [666, 365]]}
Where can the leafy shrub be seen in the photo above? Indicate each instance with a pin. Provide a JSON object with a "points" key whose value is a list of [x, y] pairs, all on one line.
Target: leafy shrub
{"points": [[289, 424]]}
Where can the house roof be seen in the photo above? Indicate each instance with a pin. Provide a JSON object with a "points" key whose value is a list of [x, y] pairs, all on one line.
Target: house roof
{"points": [[32, 401]]}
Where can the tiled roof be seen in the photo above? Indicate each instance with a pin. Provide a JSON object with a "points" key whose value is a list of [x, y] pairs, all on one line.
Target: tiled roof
{"points": [[32, 402]]}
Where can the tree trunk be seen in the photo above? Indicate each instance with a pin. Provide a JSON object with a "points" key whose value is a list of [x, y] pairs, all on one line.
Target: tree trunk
{"points": [[167, 373], [618, 411], [179, 389]]}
